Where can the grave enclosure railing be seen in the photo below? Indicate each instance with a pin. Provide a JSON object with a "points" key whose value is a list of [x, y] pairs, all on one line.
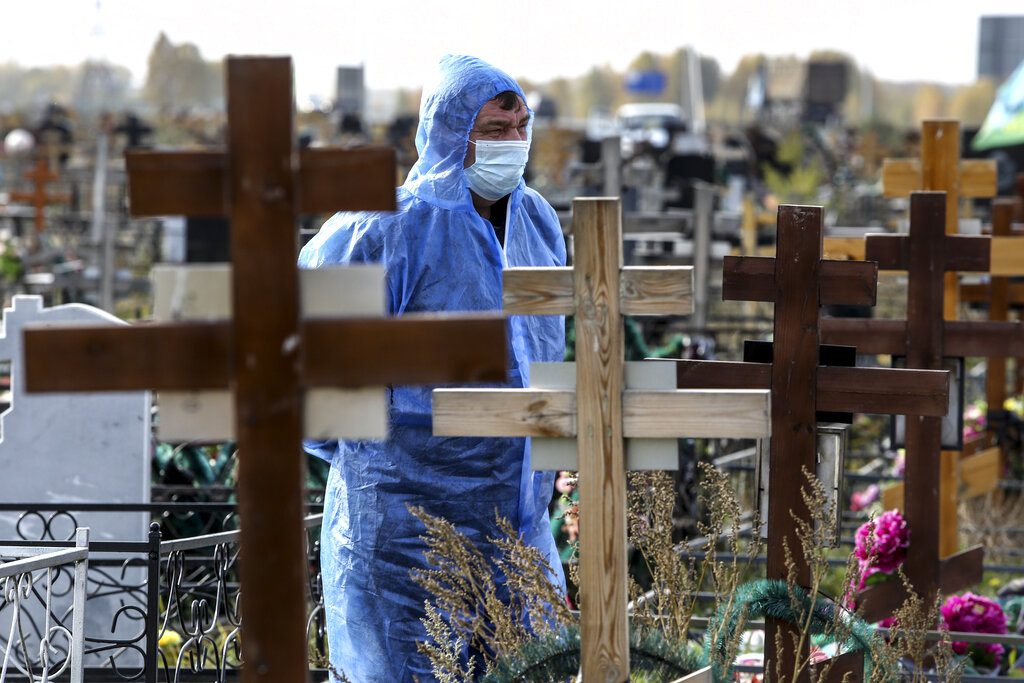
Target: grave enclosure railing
{"points": [[33, 576], [172, 604]]}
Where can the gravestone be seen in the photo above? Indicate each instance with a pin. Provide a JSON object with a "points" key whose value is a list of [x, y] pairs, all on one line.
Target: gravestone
{"points": [[70, 449]]}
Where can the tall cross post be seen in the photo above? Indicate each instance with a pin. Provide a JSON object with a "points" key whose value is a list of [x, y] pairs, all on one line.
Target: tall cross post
{"points": [[603, 413], [940, 169], [799, 281], [40, 175], [267, 354], [926, 253]]}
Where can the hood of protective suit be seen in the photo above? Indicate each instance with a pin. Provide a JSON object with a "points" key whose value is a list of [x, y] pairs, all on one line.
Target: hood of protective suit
{"points": [[447, 112]]}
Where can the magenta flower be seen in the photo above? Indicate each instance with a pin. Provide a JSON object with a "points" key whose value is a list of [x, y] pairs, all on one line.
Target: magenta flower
{"points": [[975, 614], [888, 547], [859, 500]]}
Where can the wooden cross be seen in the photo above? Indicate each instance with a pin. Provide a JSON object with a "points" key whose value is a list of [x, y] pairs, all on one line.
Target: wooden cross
{"points": [[603, 410], [940, 169], [266, 353], [799, 281], [978, 469], [1007, 260], [39, 198], [924, 338]]}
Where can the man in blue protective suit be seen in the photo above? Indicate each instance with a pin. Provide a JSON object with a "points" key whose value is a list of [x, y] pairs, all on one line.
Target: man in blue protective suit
{"points": [[464, 213]]}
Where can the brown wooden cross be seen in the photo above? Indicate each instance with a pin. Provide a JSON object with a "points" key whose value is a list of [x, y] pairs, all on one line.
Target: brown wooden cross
{"points": [[940, 169], [799, 282], [39, 198], [266, 353], [924, 338], [600, 410], [1007, 259]]}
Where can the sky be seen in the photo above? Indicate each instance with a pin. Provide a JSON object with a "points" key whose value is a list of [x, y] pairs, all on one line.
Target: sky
{"points": [[400, 41]]}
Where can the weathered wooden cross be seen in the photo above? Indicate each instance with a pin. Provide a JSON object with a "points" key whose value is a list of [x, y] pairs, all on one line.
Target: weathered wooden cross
{"points": [[266, 353], [39, 198], [799, 281], [601, 411], [925, 338], [940, 169]]}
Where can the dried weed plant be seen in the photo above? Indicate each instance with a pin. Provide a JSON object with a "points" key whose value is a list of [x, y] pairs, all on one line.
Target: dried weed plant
{"points": [[672, 600], [993, 520], [489, 608]]}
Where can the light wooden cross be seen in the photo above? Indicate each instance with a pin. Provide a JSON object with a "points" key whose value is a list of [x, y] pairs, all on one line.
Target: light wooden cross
{"points": [[925, 338], [799, 281], [940, 169], [39, 198], [266, 353], [602, 411]]}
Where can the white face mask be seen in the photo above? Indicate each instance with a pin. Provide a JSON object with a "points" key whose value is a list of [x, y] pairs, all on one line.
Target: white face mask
{"points": [[498, 167]]}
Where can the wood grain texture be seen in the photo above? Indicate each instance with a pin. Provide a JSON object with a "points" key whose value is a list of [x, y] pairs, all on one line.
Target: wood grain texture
{"points": [[737, 414], [661, 290], [962, 570], [412, 349], [354, 179], [900, 177], [751, 278], [189, 183], [511, 412], [1007, 252], [870, 336], [600, 349], [194, 183], [961, 337], [857, 390], [982, 293], [267, 367], [964, 253], [924, 351], [76, 358], [798, 266], [980, 473], [731, 414], [978, 178], [665, 290]]}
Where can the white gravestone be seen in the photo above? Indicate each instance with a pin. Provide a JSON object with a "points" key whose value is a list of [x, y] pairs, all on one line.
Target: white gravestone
{"points": [[74, 448]]}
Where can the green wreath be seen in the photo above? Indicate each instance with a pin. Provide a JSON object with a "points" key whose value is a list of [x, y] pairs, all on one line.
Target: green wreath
{"points": [[556, 657]]}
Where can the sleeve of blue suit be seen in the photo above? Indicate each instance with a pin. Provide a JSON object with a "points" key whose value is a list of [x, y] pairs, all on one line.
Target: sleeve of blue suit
{"points": [[439, 255]]}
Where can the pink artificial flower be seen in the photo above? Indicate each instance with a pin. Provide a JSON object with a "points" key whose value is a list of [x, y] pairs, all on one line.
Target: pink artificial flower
{"points": [[888, 547], [975, 614], [860, 500]]}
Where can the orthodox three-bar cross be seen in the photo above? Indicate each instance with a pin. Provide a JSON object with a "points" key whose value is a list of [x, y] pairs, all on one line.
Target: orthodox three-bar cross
{"points": [[601, 410], [926, 253], [41, 175], [799, 281], [266, 353], [979, 467]]}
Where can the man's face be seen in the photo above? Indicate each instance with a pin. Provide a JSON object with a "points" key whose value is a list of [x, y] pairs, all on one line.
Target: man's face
{"points": [[495, 123]]}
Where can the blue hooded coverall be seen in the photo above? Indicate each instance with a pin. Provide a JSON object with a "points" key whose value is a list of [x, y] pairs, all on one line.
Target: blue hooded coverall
{"points": [[440, 255]]}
